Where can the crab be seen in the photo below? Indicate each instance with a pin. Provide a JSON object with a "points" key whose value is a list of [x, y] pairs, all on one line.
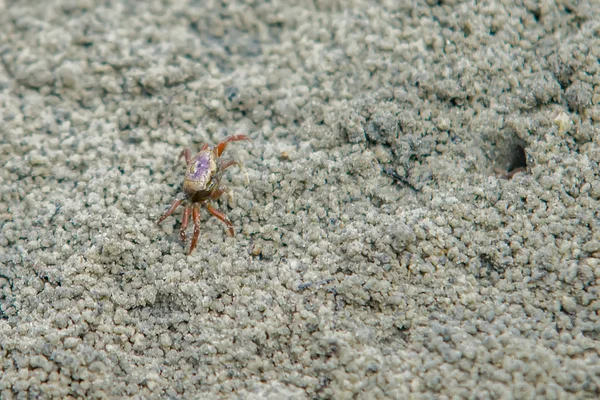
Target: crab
{"points": [[201, 186]]}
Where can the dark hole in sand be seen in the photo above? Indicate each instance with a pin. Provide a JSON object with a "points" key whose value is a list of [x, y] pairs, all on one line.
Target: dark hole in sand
{"points": [[518, 159]]}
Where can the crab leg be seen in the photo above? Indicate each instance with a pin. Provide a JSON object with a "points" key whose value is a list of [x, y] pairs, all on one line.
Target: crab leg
{"points": [[184, 223], [221, 146], [186, 154], [213, 211], [169, 211], [216, 194], [229, 163], [196, 219]]}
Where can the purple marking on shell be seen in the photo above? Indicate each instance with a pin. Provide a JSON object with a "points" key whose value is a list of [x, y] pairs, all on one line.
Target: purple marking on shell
{"points": [[201, 169]]}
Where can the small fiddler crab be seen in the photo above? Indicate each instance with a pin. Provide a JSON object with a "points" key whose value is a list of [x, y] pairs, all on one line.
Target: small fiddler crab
{"points": [[201, 185]]}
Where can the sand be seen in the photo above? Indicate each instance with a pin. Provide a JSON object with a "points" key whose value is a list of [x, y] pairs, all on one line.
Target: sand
{"points": [[419, 220]]}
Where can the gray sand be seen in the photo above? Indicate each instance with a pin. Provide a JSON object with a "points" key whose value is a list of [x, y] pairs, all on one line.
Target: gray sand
{"points": [[342, 282]]}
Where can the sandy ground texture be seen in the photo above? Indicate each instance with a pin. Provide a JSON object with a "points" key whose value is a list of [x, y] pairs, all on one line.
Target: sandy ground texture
{"points": [[469, 270]]}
